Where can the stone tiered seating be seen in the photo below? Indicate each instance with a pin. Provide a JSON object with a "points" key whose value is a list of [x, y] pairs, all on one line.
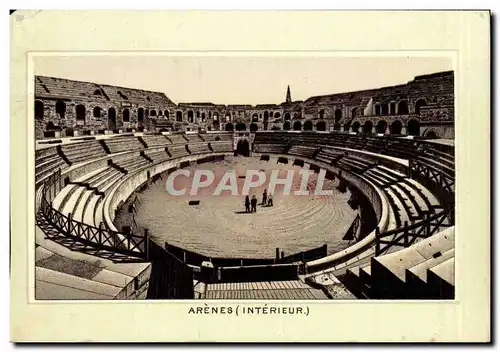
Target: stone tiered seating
{"points": [[178, 151], [135, 162], [219, 147], [270, 148], [193, 138], [306, 152], [214, 137], [176, 138], [328, 156], [155, 140], [198, 148], [123, 144], [84, 151], [47, 161], [354, 164], [423, 270], [157, 155]]}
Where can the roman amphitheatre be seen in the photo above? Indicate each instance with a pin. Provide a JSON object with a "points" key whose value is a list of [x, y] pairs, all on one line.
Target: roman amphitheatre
{"points": [[107, 227]]}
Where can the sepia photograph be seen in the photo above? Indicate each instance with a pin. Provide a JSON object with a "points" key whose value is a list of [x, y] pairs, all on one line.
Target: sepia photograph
{"points": [[295, 183]]}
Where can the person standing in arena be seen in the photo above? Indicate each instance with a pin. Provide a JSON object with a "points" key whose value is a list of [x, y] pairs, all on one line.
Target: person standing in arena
{"points": [[270, 201], [264, 197], [254, 204], [247, 204]]}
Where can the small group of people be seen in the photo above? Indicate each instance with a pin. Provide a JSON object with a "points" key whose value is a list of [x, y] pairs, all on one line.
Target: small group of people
{"points": [[251, 204]]}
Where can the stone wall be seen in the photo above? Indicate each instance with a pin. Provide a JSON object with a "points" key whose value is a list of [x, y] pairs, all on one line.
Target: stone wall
{"points": [[426, 99]]}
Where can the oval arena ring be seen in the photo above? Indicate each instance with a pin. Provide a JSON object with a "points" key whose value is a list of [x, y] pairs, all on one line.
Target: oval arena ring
{"points": [[375, 218]]}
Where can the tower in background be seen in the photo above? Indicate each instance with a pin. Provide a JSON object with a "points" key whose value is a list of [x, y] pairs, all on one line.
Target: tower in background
{"points": [[288, 95]]}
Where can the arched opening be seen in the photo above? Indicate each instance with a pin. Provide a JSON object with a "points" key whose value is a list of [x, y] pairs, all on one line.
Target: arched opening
{"points": [[403, 108], [216, 124], [38, 110], [396, 127], [286, 126], [384, 109], [377, 110], [287, 116], [355, 126], [216, 116], [97, 112], [253, 127], [413, 128], [241, 127], [338, 115], [80, 112], [266, 116], [50, 130], [97, 92], [160, 113], [392, 108], [367, 127], [321, 126], [112, 119], [431, 134], [354, 112], [297, 126], [321, 114], [147, 112], [418, 105], [308, 125], [190, 116], [228, 116], [140, 115], [243, 148], [347, 127], [255, 118], [202, 117], [126, 115], [381, 126], [178, 116], [152, 113], [229, 127], [277, 115], [61, 108], [166, 114]]}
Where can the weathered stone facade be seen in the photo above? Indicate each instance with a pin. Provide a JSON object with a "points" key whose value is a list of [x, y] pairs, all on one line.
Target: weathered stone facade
{"points": [[423, 106]]}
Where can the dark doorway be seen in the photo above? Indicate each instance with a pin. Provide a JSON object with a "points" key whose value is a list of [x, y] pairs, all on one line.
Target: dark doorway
{"points": [[126, 115], [243, 148], [286, 126], [297, 126], [418, 105], [61, 108], [367, 127], [253, 127], [178, 116], [140, 115], [38, 110], [403, 108], [431, 134], [381, 126], [413, 128], [355, 126], [321, 126], [111, 119], [396, 127], [241, 127], [308, 125], [229, 127], [80, 112]]}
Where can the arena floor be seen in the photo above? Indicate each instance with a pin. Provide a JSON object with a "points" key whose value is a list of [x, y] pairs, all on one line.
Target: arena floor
{"points": [[219, 227]]}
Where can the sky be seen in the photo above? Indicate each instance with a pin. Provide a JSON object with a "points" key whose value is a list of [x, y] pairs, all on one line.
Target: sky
{"points": [[240, 79]]}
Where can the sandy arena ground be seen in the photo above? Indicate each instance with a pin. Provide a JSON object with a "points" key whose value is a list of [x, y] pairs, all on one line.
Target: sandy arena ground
{"points": [[219, 227]]}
